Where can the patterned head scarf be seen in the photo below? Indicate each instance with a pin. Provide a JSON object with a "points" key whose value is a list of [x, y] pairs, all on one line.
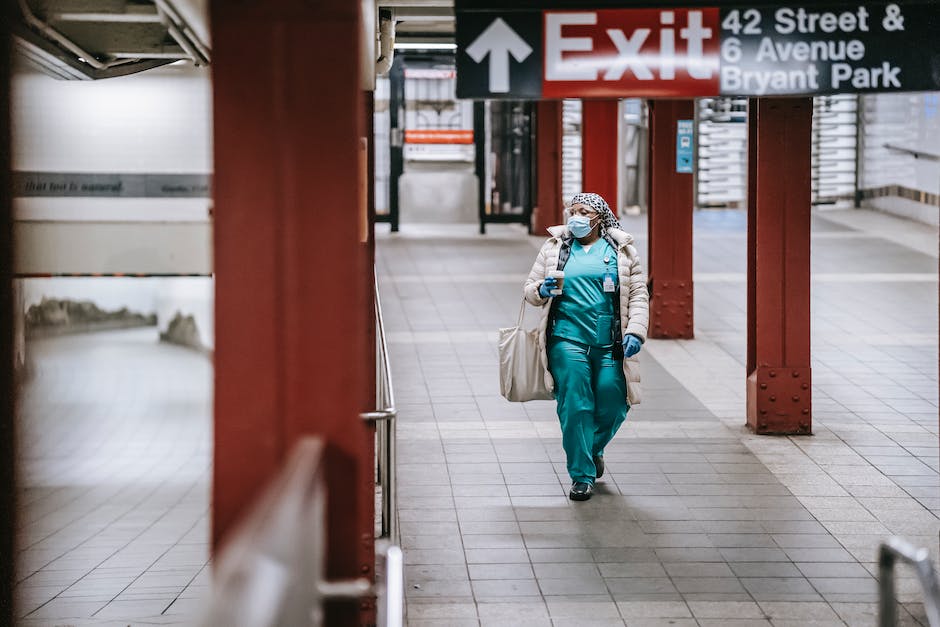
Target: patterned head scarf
{"points": [[598, 204]]}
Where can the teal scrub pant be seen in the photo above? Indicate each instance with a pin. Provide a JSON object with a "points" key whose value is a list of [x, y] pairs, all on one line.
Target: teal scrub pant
{"points": [[592, 401]]}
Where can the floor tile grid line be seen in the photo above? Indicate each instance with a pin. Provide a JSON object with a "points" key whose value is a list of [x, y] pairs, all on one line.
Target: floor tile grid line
{"points": [[814, 516], [668, 574], [706, 334], [189, 583], [545, 446], [421, 364], [129, 487], [23, 527], [672, 580], [130, 466], [506, 486], [854, 447], [807, 579], [795, 440], [28, 501], [99, 462], [450, 483], [902, 446], [102, 459], [759, 455], [132, 484], [82, 578], [131, 510], [747, 590], [169, 548]]}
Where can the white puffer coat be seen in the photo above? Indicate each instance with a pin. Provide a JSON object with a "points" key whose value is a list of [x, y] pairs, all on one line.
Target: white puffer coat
{"points": [[634, 298]]}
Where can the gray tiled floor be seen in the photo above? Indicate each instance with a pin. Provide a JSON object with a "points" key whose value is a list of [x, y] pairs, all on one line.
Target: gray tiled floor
{"points": [[115, 460], [697, 521]]}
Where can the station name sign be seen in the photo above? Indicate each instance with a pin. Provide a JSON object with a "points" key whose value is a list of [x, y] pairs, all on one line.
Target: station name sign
{"points": [[799, 49]]}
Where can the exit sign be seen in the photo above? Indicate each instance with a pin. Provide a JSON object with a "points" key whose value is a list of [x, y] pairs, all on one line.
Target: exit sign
{"points": [[566, 49]]}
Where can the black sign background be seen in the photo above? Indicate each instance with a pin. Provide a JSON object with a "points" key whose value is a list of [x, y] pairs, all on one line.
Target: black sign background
{"points": [[525, 79], [915, 49]]}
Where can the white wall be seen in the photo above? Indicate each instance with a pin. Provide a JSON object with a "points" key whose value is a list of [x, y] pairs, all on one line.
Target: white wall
{"points": [[163, 296], [156, 122], [153, 122], [908, 121]]}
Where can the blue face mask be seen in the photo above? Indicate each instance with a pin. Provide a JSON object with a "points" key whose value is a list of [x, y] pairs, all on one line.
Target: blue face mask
{"points": [[579, 226]]}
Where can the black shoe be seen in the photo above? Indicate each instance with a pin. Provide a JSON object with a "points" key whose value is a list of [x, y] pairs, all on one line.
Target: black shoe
{"points": [[581, 491], [599, 466]]}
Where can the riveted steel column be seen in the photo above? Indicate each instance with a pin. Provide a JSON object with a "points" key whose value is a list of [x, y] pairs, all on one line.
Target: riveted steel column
{"points": [[600, 158], [779, 381], [670, 225], [289, 254], [548, 166]]}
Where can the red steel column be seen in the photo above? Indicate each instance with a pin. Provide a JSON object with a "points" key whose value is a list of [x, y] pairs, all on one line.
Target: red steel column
{"points": [[289, 263], [779, 382], [548, 165], [670, 225], [600, 159]]}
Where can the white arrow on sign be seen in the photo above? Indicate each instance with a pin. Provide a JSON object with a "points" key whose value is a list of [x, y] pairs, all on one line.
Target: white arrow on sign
{"points": [[499, 41]]}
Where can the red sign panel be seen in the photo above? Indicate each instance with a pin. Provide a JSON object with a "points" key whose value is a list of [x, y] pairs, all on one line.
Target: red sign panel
{"points": [[438, 136], [610, 53]]}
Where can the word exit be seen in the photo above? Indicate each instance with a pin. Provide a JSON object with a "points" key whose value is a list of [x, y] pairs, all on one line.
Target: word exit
{"points": [[603, 52]]}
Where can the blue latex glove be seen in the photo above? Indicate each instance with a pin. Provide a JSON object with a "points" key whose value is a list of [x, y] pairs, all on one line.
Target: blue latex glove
{"points": [[547, 286], [631, 345]]}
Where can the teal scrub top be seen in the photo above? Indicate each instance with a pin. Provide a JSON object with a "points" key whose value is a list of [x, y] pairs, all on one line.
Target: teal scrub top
{"points": [[584, 312]]}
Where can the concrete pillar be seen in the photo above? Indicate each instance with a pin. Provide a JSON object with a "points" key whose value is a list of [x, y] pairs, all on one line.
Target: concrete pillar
{"points": [[292, 355], [600, 157], [671, 197], [548, 210], [779, 382]]}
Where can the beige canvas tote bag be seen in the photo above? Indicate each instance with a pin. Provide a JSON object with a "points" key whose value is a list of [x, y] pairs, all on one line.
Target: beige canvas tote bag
{"points": [[521, 373]]}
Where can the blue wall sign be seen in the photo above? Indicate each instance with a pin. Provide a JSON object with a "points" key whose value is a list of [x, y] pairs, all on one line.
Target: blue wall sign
{"points": [[685, 146]]}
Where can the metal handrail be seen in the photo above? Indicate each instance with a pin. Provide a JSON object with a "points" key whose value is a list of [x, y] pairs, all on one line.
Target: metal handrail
{"points": [[271, 571], [917, 154], [385, 428], [890, 552]]}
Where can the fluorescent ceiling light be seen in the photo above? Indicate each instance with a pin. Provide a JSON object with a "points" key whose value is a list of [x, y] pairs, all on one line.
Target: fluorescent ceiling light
{"points": [[425, 46]]}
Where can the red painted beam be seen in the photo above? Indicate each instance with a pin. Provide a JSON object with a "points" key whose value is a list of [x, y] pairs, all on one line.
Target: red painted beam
{"points": [[548, 211], [291, 273], [671, 201], [779, 382], [600, 157]]}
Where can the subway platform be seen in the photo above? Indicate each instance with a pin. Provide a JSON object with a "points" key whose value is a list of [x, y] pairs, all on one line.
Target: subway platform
{"points": [[113, 530], [696, 521]]}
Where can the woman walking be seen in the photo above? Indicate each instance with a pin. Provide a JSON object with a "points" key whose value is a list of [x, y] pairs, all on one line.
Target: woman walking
{"points": [[594, 322]]}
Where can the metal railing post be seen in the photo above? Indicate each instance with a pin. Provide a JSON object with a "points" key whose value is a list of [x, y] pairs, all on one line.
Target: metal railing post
{"points": [[888, 554], [384, 419], [887, 604]]}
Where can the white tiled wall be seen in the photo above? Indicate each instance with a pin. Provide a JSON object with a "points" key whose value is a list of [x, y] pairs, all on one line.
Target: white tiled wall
{"points": [[156, 122], [910, 121]]}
